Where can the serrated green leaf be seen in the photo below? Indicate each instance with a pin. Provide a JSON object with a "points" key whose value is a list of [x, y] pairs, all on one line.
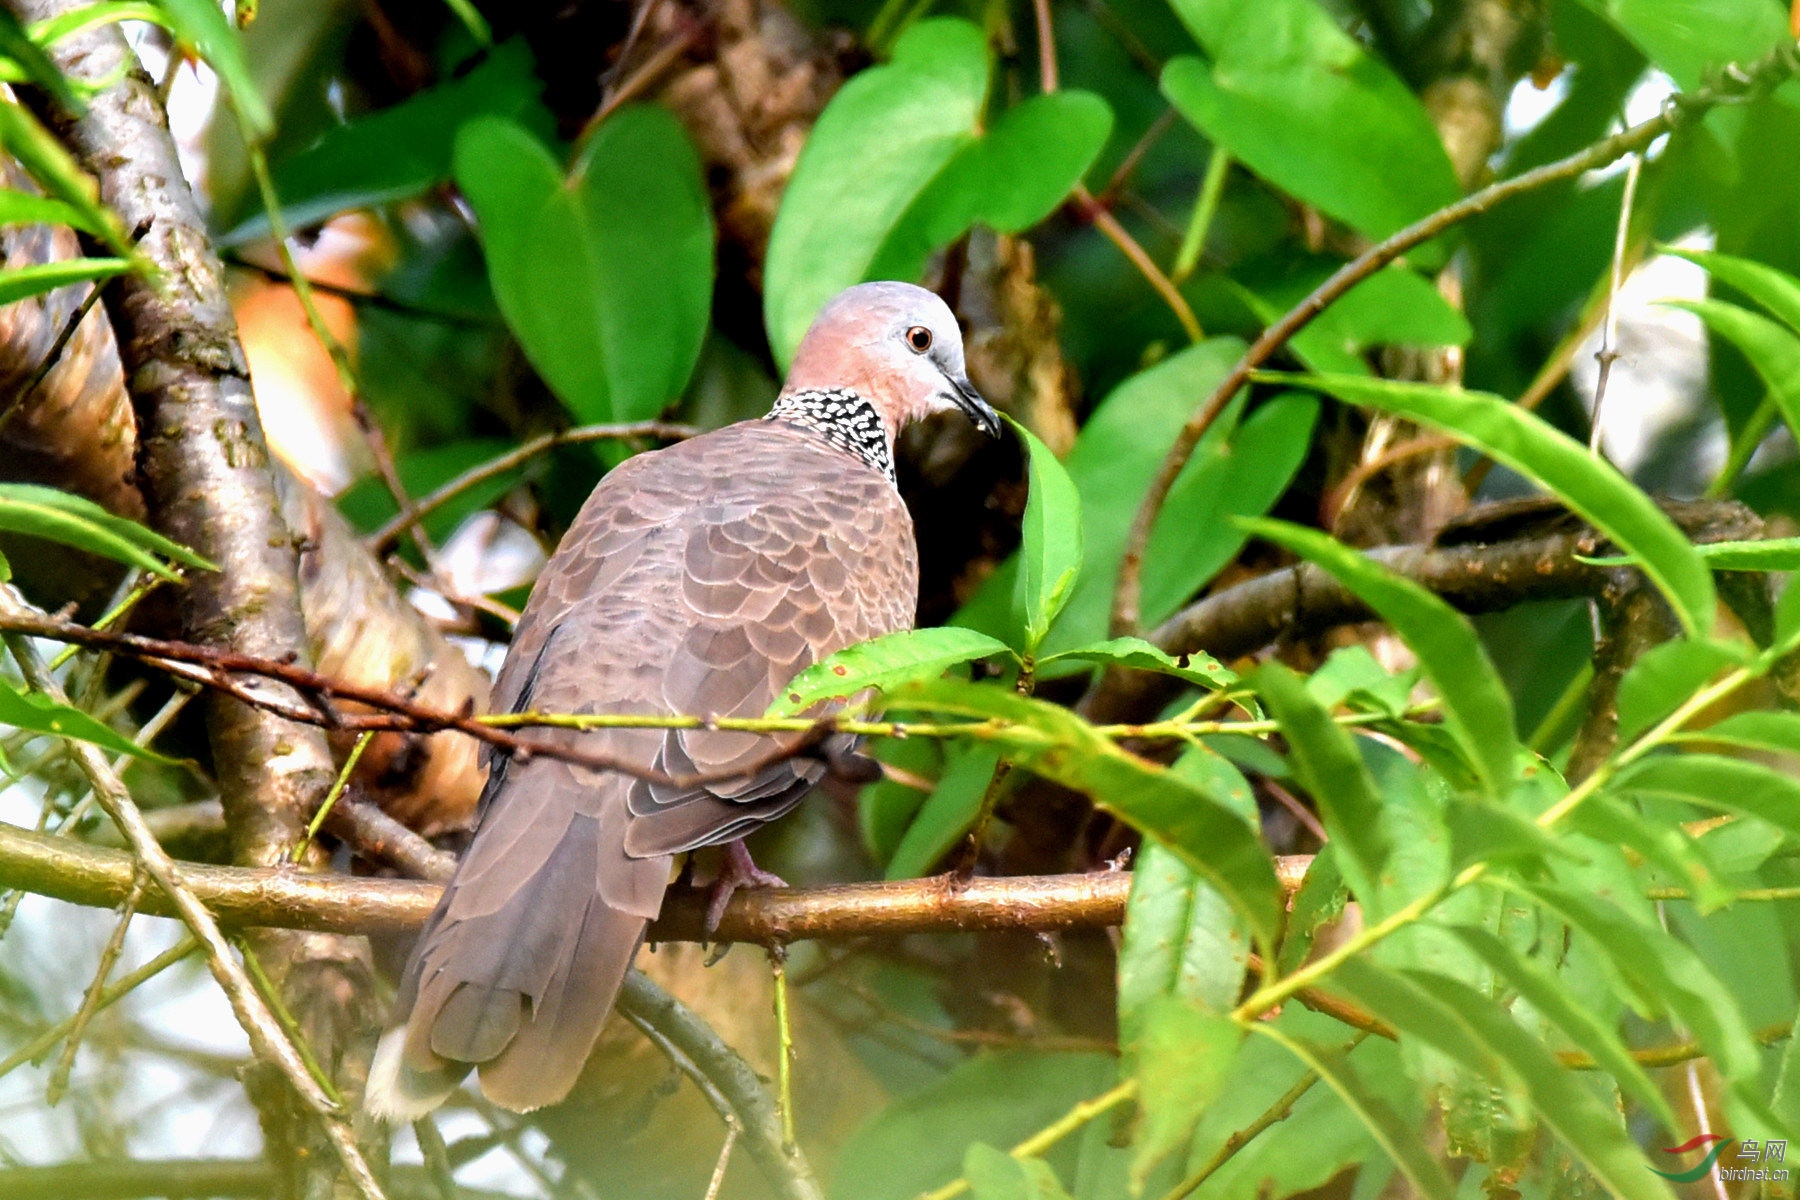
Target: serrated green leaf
{"points": [[947, 814], [1400, 1142], [1665, 676], [1181, 1058], [1451, 1016], [1663, 973], [1756, 730], [1200, 826], [1050, 553], [605, 275], [1732, 784], [1527, 444], [1477, 707], [1180, 939], [1578, 1023], [203, 25], [1327, 764], [79, 522], [38, 713], [883, 662], [1773, 350], [848, 215], [996, 1175], [1197, 667], [1612, 821]]}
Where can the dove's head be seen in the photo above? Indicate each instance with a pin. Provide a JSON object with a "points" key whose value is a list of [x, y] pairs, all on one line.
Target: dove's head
{"points": [[896, 345]]}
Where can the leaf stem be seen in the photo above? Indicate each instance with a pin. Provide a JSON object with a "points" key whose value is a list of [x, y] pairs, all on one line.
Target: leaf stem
{"points": [[1193, 242], [1050, 1134]]}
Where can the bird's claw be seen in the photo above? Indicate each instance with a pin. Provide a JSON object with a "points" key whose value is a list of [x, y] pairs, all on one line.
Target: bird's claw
{"points": [[740, 870]]}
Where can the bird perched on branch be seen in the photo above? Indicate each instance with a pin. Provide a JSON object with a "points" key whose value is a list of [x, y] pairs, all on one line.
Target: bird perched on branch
{"points": [[697, 579]]}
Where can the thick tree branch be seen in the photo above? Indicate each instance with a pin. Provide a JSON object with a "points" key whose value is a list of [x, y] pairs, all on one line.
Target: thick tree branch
{"points": [[1494, 565], [287, 898]]}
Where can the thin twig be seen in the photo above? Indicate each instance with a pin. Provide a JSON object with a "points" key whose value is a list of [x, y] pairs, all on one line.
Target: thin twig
{"points": [[1206, 206], [437, 1157], [718, 1176], [1084, 203], [782, 1162], [331, 798], [90, 1001], [264, 1032], [44, 1042], [784, 1042], [1273, 1115], [1127, 596], [1609, 326], [430, 503], [1052, 1133]]}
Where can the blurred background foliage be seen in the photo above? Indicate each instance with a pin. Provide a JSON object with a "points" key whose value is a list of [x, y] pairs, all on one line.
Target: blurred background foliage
{"points": [[521, 219]]}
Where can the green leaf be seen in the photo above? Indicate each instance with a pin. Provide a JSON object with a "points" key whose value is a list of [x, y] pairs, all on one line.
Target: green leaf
{"points": [[1527, 444], [1664, 974], [203, 25], [850, 215], [1393, 307], [401, 151], [1181, 1057], [1240, 474], [1477, 707], [1321, 900], [1197, 667], [26, 208], [1197, 823], [58, 173], [1301, 103], [994, 1175], [79, 522], [54, 29], [605, 275], [1050, 554], [21, 283], [882, 662], [947, 814], [1180, 939], [1688, 38], [1775, 290], [918, 1143], [1756, 731], [1449, 1015], [1009, 178], [1666, 676], [1733, 784], [1400, 1142], [1546, 993], [1786, 1101], [1764, 554], [1327, 764], [38, 713], [1112, 463], [1773, 350], [17, 45], [1612, 821]]}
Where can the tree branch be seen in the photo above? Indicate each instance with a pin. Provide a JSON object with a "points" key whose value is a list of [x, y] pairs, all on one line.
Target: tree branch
{"points": [[283, 897], [1735, 84]]}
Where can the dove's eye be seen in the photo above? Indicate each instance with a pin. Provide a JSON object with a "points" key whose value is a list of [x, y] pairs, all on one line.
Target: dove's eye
{"points": [[919, 338]]}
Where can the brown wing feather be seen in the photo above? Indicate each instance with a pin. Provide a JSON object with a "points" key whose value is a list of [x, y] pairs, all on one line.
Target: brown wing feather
{"points": [[677, 589]]}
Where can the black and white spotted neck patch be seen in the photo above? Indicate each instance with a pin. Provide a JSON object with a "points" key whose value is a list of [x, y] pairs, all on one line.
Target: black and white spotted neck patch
{"points": [[842, 417]]}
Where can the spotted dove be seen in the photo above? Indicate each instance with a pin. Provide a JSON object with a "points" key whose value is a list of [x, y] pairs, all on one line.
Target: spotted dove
{"points": [[697, 579]]}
